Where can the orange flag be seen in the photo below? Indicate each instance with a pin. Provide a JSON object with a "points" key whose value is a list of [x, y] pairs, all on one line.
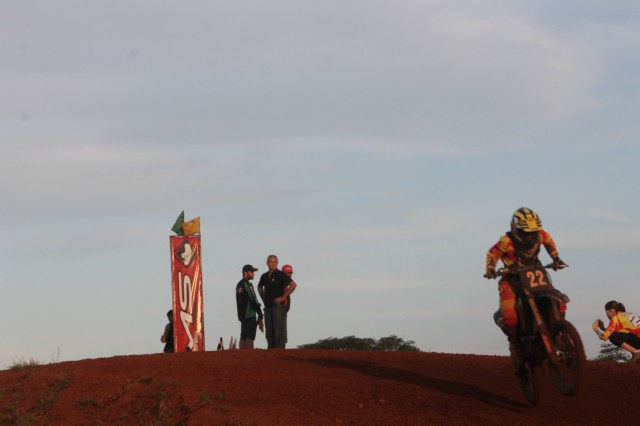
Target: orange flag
{"points": [[191, 227]]}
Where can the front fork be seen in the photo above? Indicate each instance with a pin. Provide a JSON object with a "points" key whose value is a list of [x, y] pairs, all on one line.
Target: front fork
{"points": [[541, 328]]}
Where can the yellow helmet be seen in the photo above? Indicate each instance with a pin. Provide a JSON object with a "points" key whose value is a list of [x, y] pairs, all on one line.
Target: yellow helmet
{"points": [[526, 220]]}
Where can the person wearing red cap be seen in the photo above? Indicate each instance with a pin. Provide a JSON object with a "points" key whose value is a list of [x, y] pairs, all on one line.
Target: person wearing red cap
{"points": [[274, 288], [288, 269]]}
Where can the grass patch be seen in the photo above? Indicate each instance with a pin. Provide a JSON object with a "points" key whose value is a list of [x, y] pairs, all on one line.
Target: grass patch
{"points": [[161, 409], [21, 364], [86, 402], [46, 402], [145, 379], [14, 412], [11, 406], [205, 398], [25, 420]]}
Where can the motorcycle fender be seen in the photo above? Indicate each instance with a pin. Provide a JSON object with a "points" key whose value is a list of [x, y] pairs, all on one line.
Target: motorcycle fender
{"points": [[555, 295]]}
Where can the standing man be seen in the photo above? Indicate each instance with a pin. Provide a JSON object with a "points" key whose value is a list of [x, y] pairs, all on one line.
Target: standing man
{"points": [[288, 269], [274, 288], [248, 307], [167, 337]]}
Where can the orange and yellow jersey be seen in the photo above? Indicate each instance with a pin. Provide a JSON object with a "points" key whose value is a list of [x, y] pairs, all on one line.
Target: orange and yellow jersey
{"points": [[622, 322], [505, 250]]}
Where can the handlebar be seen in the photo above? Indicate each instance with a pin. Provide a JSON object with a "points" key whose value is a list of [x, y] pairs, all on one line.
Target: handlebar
{"points": [[515, 269]]}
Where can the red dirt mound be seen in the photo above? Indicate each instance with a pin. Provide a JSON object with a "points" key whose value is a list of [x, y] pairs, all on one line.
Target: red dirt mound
{"points": [[306, 387]]}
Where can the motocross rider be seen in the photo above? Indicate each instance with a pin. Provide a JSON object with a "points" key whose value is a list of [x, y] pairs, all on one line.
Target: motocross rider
{"points": [[519, 247]]}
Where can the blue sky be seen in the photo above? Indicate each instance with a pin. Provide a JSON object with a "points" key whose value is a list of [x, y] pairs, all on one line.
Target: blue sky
{"points": [[380, 148]]}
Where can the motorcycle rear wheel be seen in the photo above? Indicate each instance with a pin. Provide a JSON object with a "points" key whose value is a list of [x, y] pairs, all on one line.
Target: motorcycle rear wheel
{"points": [[567, 374]]}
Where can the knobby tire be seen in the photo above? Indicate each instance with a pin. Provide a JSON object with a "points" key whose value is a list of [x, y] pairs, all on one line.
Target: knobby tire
{"points": [[529, 383], [567, 374]]}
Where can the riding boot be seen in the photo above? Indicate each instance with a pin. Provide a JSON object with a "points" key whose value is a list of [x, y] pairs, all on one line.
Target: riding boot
{"points": [[497, 318]]}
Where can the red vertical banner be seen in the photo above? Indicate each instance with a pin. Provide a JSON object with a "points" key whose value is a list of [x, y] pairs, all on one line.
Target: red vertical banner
{"points": [[186, 273]]}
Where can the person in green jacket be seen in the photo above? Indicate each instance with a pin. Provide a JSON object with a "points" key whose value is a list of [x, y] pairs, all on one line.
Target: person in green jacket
{"points": [[248, 308]]}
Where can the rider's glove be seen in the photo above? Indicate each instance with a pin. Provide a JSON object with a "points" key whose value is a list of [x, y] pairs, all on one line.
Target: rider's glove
{"points": [[601, 325], [558, 264], [490, 273]]}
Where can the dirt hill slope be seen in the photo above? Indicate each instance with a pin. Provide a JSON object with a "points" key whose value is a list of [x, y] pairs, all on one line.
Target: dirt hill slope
{"points": [[305, 387]]}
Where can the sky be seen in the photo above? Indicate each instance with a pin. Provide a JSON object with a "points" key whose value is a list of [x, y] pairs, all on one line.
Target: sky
{"points": [[378, 147]]}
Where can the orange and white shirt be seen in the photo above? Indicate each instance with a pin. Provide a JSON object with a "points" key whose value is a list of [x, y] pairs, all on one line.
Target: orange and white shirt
{"points": [[622, 322]]}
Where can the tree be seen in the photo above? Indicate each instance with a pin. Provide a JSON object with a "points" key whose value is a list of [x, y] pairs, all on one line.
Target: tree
{"points": [[389, 343], [395, 343], [609, 352]]}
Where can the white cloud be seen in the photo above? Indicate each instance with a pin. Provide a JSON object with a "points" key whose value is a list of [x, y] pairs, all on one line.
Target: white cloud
{"points": [[301, 128], [607, 215], [84, 176], [603, 239], [420, 78]]}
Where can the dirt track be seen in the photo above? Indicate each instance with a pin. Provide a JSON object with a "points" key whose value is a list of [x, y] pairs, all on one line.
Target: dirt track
{"points": [[306, 387]]}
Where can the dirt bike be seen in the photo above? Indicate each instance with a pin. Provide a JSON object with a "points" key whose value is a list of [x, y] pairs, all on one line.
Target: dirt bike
{"points": [[544, 336]]}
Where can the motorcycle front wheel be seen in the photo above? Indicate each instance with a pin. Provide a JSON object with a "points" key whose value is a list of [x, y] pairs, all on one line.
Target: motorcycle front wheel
{"points": [[567, 373], [529, 383]]}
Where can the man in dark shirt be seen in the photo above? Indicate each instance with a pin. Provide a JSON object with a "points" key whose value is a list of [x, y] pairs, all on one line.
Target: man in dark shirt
{"points": [[248, 308], [274, 288], [167, 337]]}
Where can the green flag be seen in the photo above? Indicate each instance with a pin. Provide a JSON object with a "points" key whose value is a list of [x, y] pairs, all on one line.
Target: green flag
{"points": [[177, 227]]}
